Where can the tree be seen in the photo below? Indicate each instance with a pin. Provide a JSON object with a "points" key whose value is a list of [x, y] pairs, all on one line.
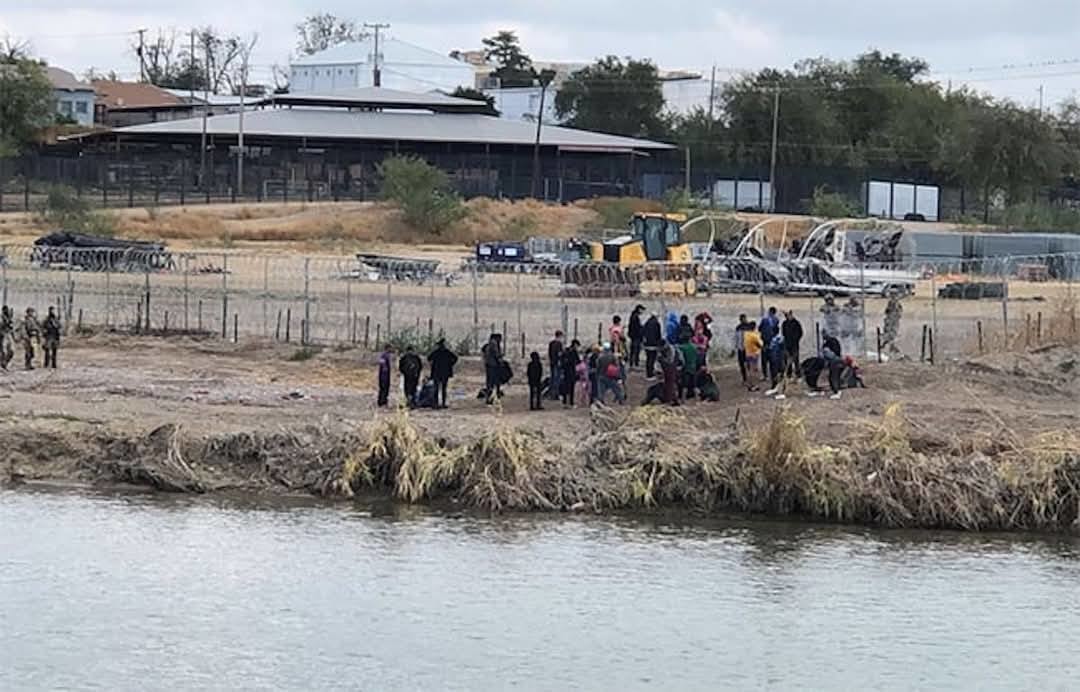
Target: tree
{"points": [[422, 192], [617, 97], [13, 50], [321, 31], [476, 95], [27, 104], [514, 67]]}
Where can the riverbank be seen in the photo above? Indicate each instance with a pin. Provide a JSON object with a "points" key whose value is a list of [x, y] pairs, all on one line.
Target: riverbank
{"points": [[984, 444]]}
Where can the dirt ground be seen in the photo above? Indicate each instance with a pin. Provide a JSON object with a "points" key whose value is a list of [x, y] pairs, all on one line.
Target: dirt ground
{"points": [[132, 385]]}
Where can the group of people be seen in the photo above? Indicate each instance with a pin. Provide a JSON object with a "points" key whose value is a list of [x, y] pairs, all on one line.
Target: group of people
{"points": [[433, 392], [30, 333]]}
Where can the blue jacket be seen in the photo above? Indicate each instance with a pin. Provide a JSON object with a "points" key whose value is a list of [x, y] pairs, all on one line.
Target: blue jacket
{"points": [[672, 328], [769, 327]]}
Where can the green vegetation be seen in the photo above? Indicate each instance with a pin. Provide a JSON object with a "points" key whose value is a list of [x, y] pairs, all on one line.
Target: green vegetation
{"points": [[832, 205], [513, 67], [26, 103], [304, 354], [422, 192], [617, 97], [62, 209]]}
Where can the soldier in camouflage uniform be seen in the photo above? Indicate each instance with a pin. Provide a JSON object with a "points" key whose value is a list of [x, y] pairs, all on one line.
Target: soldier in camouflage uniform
{"points": [[31, 334], [830, 317], [52, 338], [890, 331], [851, 336], [7, 336]]}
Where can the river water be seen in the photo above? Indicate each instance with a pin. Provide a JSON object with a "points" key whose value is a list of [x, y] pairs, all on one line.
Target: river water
{"points": [[144, 592]]}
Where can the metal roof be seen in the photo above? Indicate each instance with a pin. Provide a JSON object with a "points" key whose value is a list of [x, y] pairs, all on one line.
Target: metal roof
{"points": [[66, 81], [326, 123], [393, 51], [378, 97]]}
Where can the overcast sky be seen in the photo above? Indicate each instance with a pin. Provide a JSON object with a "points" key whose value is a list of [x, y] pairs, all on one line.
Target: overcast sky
{"points": [[953, 35]]}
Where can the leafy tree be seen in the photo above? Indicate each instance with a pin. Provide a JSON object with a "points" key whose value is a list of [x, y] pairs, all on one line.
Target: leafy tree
{"points": [[321, 31], [617, 97], [27, 104], [515, 68], [476, 95], [422, 192]]}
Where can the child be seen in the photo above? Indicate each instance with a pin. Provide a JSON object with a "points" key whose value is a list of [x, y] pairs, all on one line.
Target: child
{"points": [[584, 386], [753, 346], [535, 374]]}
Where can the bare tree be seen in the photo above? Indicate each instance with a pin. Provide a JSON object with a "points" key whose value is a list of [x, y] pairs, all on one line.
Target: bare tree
{"points": [[238, 76], [222, 56], [12, 50], [321, 31], [281, 76], [159, 57], [92, 74]]}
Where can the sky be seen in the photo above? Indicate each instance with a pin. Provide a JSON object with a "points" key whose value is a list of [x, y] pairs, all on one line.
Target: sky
{"points": [[1004, 47]]}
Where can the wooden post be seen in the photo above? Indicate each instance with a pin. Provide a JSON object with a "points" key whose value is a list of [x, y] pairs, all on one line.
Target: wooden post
{"points": [[817, 337], [367, 332], [575, 328], [378, 335], [79, 327], [430, 330], [277, 329], [600, 333], [288, 324], [236, 328], [925, 336], [523, 345], [138, 318], [198, 321], [303, 332], [352, 329], [165, 326], [1027, 330], [1038, 328], [879, 359], [933, 355], [978, 327]]}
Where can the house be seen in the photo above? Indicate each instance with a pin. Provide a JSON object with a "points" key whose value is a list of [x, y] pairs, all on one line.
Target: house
{"points": [[74, 98], [403, 66], [120, 104]]}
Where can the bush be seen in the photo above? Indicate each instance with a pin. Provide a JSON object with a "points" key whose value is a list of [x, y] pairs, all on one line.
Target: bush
{"points": [[422, 192], [615, 212], [66, 211], [832, 205]]}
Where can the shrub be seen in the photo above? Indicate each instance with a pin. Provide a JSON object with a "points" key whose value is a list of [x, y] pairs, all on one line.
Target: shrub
{"points": [[66, 211], [422, 192], [615, 212], [832, 205]]}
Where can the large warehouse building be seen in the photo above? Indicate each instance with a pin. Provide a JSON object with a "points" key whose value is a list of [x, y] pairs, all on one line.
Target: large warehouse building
{"points": [[324, 146]]}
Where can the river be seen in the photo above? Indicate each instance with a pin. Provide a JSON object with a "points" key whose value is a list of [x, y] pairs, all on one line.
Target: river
{"points": [[125, 592]]}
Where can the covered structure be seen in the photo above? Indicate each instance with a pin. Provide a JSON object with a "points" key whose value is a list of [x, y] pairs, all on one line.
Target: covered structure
{"points": [[322, 146]]}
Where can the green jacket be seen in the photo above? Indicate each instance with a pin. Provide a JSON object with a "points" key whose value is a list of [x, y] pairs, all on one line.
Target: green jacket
{"points": [[690, 357]]}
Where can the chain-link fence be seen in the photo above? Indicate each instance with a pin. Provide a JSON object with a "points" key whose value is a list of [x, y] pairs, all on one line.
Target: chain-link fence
{"points": [[952, 308]]}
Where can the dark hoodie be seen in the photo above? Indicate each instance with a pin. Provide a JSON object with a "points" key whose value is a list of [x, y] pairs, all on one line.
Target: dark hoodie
{"points": [[652, 334], [635, 330]]}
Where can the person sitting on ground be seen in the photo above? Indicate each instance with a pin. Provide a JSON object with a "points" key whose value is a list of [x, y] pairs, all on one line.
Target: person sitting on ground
{"points": [[410, 368], [851, 376], [386, 366], [442, 361], [752, 347], [652, 338], [535, 375], [609, 376], [706, 385], [427, 397], [689, 370]]}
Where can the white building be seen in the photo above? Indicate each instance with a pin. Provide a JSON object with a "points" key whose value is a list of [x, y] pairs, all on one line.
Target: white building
{"points": [[403, 66], [74, 98]]}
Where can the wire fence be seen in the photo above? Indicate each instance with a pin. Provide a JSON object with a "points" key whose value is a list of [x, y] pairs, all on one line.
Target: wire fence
{"points": [[949, 309]]}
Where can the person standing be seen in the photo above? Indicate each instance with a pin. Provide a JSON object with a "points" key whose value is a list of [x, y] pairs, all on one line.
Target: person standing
{"points": [[609, 376], [688, 374], [776, 353], [669, 365], [569, 367], [616, 336], [410, 368], [535, 375], [636, 332], [752, 346], [442, 361], [555, 353], [768, 328], [652, 337], [31, 334], [830, 317], [386, 367], [7, 336], [51, 329], [685, 330], [890, 332], [744, 326], [833, 356], [493, 360], [792, 332]]}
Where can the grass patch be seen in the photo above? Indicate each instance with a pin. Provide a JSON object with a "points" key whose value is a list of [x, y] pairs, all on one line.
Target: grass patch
{"points": [[304, 354]]}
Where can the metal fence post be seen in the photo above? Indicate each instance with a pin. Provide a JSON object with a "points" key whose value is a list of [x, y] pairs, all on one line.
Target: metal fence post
{"points": [[70, 292], [389, 305], [266, 297], [1005, 303], [187, 291], [3, 271], [146, 276], [517, 291], [933, 310], [663, 293], [224, 295], [350, 319], [305, 333], [108, 291], [475, 308], [862, 303]]}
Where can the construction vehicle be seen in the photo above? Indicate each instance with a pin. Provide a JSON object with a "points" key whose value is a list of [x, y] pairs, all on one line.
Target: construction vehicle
{"points": [[651, 259]]}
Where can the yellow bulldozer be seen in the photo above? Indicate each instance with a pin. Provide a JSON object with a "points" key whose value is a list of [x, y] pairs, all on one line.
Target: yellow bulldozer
{"points": [[651, 259]]}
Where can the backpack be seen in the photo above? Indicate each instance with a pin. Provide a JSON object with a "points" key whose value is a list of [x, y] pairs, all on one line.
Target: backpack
{"points": [[613, 371]]}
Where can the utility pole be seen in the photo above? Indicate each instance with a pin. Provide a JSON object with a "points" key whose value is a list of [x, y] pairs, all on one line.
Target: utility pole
{"points": [[772, 162], [376, 70], [1041, 91], [544, 78], [712, 95], [686, 185], [206, 108], [191, 67], [142, 59], [240, 129]]}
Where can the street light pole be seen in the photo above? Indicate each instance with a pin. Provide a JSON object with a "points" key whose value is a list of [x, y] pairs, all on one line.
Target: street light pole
{"points": [[545, 77], [772, 163]]}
